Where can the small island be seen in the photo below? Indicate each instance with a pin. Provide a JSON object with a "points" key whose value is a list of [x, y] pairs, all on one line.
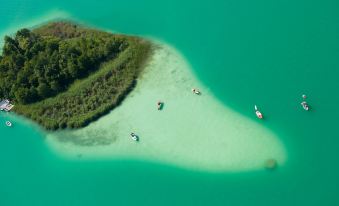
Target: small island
{"points": [[62, 75]]}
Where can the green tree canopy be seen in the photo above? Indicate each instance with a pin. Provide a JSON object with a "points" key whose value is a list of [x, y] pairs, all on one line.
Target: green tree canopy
{"points": [[44, 62]]}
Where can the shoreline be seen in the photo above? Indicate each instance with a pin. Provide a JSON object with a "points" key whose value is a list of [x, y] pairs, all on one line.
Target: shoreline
{"points": [[108, 138], [52, 15], [193, 132], [92, 85]]}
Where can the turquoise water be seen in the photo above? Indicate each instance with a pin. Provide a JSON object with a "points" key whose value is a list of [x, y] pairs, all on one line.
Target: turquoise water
{"points": [[247, 52]]}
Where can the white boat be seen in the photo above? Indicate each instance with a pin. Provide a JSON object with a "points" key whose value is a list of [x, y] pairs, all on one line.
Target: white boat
{"points": [[305, 105], [259, 115], [8, 123], [257, 112], [196, 91], [134, 137]]}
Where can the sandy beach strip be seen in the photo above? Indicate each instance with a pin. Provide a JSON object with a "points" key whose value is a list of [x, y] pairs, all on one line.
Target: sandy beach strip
{"points": [[191, 131]]}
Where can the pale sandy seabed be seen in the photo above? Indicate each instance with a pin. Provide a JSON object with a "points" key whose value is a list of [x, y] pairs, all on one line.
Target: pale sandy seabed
{"points": [[192, 132]]}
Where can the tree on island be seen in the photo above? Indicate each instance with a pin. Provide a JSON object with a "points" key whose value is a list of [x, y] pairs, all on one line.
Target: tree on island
{"points": [[63, 75], [34, 67]]}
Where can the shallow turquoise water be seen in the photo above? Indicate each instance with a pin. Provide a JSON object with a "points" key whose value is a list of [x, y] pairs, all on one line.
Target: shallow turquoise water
{"points": [[263, 52]]}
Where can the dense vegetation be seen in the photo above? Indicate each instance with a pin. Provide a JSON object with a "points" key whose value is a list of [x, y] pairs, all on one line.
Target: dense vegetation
{"points": [[34, 66], [62, 75]]}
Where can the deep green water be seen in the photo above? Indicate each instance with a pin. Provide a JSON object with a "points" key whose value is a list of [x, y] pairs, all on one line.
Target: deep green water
{"points": [[263, 52]]}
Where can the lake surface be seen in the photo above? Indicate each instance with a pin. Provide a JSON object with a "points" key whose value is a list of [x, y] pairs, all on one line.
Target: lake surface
{"points": [[247, 52]]}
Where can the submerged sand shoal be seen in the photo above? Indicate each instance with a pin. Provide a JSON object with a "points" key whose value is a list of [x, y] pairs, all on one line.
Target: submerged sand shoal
{"points": [[195, 132]]}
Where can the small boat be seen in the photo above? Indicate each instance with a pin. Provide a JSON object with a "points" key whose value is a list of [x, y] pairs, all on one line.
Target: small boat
{"points": [[305, 105], [8, 123], [134, 137], [196, 91], [259, 115], [257, 112], [159, 105]]}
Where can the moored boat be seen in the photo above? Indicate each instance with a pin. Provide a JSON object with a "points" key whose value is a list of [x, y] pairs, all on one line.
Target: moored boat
{"points": [[257, 112], [305, 105], [196, 91], [259, 115], [8, 123], [134, 137], [159, 105]]}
